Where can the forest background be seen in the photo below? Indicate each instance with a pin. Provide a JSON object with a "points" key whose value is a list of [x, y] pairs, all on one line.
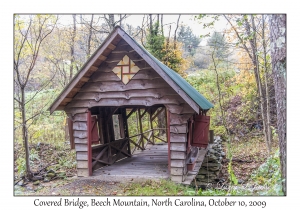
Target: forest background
{"points": [[220, 128]]}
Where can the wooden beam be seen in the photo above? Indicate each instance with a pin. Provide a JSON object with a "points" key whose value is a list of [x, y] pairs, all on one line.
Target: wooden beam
{"points": [[84, 79], [130, 113], [144, 112], [162, 109], [111, 46], [67, 100], [137, 145], [151, 123], [99, 156], [102, 58], [141, 125], [93, 68], [160, 139]]}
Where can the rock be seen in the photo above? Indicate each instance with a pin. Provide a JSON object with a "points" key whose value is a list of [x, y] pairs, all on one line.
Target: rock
{"points": [[240, 181], [36, 182], [211, 164], [203, 171], [20, 183], [37, 178], [212, 176], [47, 179], [50, 175], [212, 151], [214, 168], [200, 176], [61, 174], [51, 171]]}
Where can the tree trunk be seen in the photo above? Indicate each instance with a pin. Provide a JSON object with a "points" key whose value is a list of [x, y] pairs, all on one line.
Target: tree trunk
{"points": [[161, 24], [111, 22], [72, 48], [25, 134], [266, 83], [258, 79], [90, 37], [278, 54], [151, 24], [175, 33]]}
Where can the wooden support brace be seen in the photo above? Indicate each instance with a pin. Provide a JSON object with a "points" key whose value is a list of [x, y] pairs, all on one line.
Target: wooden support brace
{"points": [[136, 145], [160, 139], [162, 109], [99, 156], [144, 112], [130, 113]]}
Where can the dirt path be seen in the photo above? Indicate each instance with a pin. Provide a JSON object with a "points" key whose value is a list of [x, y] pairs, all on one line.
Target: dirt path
{"points": [[72, 187]]}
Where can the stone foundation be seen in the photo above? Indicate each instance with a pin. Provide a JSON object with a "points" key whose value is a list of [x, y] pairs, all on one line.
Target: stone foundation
{"points": [[211, 166]]}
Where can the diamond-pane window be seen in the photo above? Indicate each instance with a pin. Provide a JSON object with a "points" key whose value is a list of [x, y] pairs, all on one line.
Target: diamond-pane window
{"points": [[126, 69]]}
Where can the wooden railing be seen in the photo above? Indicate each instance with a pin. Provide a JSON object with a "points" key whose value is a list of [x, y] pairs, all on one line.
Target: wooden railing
{"points": [[108, 154], [140, 144]]}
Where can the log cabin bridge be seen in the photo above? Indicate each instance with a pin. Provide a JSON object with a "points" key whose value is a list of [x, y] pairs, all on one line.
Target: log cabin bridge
{"points": [[129, 115]]}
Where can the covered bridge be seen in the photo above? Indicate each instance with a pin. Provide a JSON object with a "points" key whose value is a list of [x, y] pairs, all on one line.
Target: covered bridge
{"points": [[121, 81]]}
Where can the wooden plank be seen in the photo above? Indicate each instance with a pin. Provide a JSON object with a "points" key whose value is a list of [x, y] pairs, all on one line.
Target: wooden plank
{"points": [[79, 117], [178, 155], [176, 119], [153, 93], [119, 56], [176, 171], [74, 111], [156, 67], [83, 70], [178, 137], [80, 141], [102, 58], [82, 164], [67, 100], [177, 178], [178, 128], [80, 126], [175, 109], [125, 102], [177, 146], [111, 46], [81, 156], [177, 163], [80, 134], [84, 79], [82, 172], [111, 86], [94, 68], [81, 147]]}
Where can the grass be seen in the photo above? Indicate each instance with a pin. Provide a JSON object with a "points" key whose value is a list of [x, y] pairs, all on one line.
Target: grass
{"points": [[157, 188]]}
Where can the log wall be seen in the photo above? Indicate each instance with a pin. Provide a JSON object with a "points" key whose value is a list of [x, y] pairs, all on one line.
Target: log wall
{"points": [[146, 88]]}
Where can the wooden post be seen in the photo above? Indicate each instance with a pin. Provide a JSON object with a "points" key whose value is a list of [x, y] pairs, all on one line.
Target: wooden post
{"points": [[89, 130], [141, 127], [100, 125], [71, 135], [169, 143], [125, 127], [151, 125]]}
